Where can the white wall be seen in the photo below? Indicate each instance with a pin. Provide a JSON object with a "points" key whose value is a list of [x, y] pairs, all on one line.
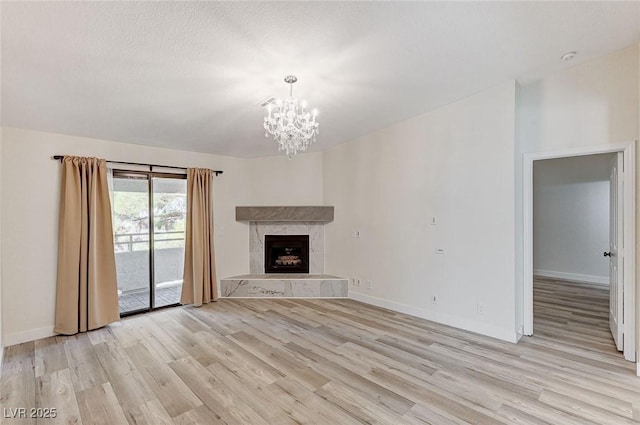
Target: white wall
{"points": [[279, 181], [30, 196], [591, 104], [455, 163], [571, 218]]}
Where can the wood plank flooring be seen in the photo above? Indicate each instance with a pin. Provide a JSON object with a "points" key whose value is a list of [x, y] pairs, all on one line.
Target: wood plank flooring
{"points": [[282, 361]]}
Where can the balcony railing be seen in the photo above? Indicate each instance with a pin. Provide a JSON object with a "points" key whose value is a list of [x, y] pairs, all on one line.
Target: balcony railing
{"points": [[133, 255], [125, 242]]}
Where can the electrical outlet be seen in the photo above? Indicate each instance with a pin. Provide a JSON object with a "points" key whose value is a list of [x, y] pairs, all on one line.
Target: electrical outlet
{"points": [[434, 300], [358, 282], [481, 309], [355, 234], [440, 251], [369, 284], [220, 230]]}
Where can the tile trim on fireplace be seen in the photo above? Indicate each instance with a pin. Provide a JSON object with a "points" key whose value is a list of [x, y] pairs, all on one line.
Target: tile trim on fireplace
{"points": [[257, 231]]}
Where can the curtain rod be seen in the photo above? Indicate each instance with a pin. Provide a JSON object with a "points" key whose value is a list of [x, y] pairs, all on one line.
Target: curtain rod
{"points": [[60, 157]]}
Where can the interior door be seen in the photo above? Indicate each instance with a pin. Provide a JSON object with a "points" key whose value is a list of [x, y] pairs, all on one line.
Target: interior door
{"points": [[616, 259]]}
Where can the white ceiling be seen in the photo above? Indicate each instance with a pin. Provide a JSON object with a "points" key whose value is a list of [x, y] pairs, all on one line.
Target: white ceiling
{"points": [[189, 75]]}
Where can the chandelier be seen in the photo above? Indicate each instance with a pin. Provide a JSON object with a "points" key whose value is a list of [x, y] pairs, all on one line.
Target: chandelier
{"points": [[290, 123]]}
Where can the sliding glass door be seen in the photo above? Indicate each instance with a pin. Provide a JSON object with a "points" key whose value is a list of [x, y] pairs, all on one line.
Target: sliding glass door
{"points": [[131, 226], [169, 214], [149, 211]]}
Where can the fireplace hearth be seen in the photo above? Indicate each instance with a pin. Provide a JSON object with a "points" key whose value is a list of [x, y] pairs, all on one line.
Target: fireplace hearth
{"points": [[286, 253]]}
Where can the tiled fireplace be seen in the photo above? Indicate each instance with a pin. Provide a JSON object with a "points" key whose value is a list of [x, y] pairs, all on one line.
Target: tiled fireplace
{"points": [[258, 232], [286, 255]]}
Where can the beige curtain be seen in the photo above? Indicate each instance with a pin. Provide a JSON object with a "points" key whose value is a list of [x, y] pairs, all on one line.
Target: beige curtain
{"points": [[87, 292], [199, 279]]}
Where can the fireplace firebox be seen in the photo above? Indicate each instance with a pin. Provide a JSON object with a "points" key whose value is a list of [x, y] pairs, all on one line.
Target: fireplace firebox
{"points": [[286, 253]]}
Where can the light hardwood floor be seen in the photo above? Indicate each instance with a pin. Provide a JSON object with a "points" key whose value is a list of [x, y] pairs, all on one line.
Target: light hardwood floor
{"points": [[329, 362]]}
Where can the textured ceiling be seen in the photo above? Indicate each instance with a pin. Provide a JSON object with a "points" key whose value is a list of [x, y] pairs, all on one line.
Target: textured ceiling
{"points": [[190, 75]]}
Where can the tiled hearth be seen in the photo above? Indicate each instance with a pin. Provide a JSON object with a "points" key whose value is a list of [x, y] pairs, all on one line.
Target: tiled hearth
{"points": [[285, 221], [284, 285]]}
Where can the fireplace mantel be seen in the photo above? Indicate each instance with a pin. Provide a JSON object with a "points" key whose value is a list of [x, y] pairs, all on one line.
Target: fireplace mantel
{"points": [[321, 214]]}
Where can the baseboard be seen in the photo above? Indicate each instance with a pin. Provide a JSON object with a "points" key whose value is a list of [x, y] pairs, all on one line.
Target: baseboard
{"points": [[443, 318], [26, 336], [603, 280]]}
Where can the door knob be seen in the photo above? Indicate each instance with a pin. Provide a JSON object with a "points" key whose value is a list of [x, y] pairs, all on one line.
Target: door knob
{"points": [[607, 254]]}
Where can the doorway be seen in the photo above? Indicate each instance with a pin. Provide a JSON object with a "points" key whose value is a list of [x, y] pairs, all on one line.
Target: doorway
{"points": [[622, 275], [572, 259], [149, 213]]}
